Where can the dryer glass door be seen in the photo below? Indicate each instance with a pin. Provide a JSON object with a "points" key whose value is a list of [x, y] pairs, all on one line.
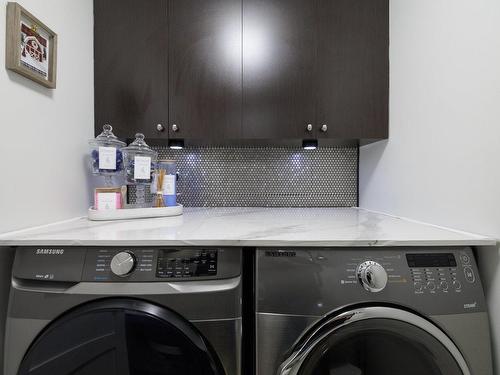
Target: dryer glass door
{"points": [[375, 346], [125, 337]]}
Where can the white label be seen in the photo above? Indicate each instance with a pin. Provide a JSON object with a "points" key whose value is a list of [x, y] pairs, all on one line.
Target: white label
{"points": [[142, 168], [107, 158], [169, 184], [106, 201]]}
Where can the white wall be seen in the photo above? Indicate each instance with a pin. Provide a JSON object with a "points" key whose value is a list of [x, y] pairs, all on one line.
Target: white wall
{"points": [[43, 133], [442, 161]]}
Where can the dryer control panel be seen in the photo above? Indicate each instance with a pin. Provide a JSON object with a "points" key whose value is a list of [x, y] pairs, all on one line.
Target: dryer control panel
{"points": [[440, 272], [433, 280], [125, 264]]}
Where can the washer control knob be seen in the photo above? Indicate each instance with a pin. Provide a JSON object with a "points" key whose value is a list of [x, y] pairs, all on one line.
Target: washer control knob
{"points": [[372, 276], [123, 263], [418, 286]]}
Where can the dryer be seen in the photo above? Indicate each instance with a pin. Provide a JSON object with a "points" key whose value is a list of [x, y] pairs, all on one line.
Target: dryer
{"points": [[102, 310], [370, 311]]}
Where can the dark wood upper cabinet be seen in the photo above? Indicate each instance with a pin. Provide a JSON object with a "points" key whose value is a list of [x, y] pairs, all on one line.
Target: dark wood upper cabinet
{"points": [[205, 69], [131, 66], [217, 71], [352, 64], [278, 68], [318, 62]]}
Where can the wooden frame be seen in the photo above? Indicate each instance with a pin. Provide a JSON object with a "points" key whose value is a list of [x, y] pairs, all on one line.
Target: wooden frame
{"points": [[31, 47]]}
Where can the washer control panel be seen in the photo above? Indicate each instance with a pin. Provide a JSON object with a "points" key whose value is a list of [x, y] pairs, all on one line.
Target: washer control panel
{"points": [[108, 264], [187, 264], [125, 264], [148, 264]]}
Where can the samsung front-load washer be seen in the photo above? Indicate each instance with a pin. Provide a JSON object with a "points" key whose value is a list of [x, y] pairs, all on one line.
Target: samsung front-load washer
{"points": [[370, 311], [127, 311]]}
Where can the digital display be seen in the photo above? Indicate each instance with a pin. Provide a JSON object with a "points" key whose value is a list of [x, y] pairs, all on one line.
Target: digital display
{"points": [[186, 263], [431, 260]]}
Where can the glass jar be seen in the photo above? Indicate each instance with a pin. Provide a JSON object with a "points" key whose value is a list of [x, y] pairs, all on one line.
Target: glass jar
{"points": [[105, 153], [166, 176], [139, 160]]}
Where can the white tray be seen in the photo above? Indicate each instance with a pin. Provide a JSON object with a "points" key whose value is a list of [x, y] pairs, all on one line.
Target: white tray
{"points": [[134, 213]]}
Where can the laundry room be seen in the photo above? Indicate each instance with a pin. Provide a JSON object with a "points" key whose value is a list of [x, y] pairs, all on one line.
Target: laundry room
{"points": [[250, 187]]}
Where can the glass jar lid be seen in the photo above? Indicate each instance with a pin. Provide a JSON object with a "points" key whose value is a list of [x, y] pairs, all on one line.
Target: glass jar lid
{"points": [[139, 146], [107, 138]]}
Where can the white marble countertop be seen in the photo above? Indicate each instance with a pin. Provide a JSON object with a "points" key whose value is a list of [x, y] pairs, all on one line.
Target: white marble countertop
{"points": [[248, 227]]}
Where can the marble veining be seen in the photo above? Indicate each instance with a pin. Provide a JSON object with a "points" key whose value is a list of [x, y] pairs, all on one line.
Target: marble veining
{"points": [[250, 226]]}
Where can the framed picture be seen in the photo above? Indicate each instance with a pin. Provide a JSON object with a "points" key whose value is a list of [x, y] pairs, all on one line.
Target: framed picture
{"points": [[31, 47]]}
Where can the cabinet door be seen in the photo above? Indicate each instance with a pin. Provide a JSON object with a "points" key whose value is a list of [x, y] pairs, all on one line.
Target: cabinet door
{"points": [[131, 66], [278, 68], [353, 68], [205, 69]]}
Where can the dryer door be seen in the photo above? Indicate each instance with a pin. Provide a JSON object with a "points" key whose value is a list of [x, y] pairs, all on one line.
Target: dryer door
{"points": [[120, 336], [374, 341]]}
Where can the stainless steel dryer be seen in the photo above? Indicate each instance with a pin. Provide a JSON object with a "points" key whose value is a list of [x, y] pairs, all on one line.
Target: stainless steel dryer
{"points": [[105, 311], [370, 311]]}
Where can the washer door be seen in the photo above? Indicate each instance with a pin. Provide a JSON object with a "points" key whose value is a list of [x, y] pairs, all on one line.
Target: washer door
{"points": [[117, 336], [374, 341]]}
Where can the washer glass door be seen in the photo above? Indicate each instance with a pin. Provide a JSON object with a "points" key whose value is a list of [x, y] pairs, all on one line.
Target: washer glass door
{"points": [[376, 346], [125, 337]]}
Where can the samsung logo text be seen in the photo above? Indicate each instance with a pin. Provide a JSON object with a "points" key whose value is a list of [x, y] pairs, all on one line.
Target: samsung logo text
{"points": [[49, 251]]}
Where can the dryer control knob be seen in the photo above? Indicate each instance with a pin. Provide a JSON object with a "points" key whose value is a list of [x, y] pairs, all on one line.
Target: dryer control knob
{"points": [[123, 263], [372, 276]]}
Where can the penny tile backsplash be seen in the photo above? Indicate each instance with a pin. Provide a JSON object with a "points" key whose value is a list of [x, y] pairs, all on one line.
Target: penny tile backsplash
{"points": [[265, 177]]}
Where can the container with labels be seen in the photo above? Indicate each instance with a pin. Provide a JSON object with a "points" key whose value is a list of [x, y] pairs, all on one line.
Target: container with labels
{"points": [[165, 184], [139, 160], [106, 157]]}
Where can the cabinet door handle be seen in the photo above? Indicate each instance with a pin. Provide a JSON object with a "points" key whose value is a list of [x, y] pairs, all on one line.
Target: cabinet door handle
{"points": [[175, 128], [324, 128], [160, 127], [309, 127]]}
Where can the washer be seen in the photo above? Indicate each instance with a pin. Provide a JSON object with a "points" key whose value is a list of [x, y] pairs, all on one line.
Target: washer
{"points": [[370, 311], [122, 311]]}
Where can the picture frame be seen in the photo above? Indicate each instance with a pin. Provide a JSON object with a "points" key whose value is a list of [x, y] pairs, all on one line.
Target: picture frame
{"points": [[31, 46]]}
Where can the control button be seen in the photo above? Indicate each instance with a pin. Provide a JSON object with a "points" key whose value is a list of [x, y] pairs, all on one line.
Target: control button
{"points": [[456, 284], [431, 286], [418, 286], [123, 263], [469, 274], [465, 259], [443, 285], [372, 276]]}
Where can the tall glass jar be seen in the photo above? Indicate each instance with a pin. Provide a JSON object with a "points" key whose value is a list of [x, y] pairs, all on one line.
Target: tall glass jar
{"points": [[106, 157], [140, 161]]}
